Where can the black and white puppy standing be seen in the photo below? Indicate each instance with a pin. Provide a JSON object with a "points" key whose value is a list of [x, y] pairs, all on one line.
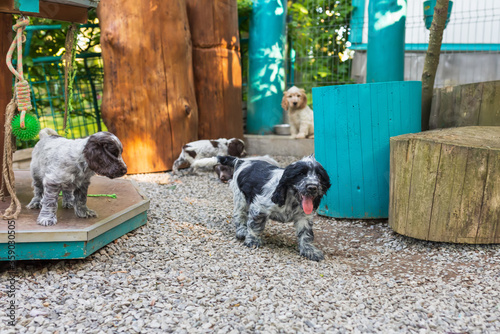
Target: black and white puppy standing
{"points": [[263, 191], [60, 164]]}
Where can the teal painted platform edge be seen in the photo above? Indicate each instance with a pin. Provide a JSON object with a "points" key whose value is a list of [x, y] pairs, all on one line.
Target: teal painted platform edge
{"points": [[72, 249], [353, 125], [444, 47]]}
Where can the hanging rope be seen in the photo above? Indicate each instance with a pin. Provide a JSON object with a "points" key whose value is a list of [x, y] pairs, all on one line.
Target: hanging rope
{"points": [[8, 180], [69, 71], [22, 102], [22, 86]]}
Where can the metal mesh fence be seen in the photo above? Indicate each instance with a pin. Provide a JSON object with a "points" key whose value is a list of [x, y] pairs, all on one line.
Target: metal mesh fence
{"points": [[470, 49], [319, 42], [318, 52], [47, 88]]}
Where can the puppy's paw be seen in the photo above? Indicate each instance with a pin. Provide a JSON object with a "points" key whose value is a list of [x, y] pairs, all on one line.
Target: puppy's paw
{"points": [[85, 213], [67, 205], [312, 253], [46, 220], [300, 136], [252, 242], [34, 204], [241, 232]]}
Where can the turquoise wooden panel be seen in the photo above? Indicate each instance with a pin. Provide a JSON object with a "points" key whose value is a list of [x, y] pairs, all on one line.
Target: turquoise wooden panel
{"points": [[71, 249], [116, 232], [32, 6], [353, 125]]}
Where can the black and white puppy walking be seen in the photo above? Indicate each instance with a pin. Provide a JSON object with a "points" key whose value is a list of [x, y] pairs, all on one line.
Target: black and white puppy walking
{"points": [[263, 191], [60, 164]]}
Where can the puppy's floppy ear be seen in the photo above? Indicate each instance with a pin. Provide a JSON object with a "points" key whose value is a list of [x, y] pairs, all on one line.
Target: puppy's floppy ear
{"points": [[324, 180], [303, 99], [287, 179], [284, 101], [236, 147], [101, 152], [323, 176]]}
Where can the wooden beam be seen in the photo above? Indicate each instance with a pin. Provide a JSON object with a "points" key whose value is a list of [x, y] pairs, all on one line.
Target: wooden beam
{"points": [[50, 10], [5, 74]]}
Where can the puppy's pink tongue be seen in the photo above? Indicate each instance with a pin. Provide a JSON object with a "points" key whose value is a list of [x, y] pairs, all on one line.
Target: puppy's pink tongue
{"points": [[307, 205]]}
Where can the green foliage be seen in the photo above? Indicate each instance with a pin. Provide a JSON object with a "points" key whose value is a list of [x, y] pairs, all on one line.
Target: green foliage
{"points": [[47, 78], [245, 8], [50, 43], [318, 33], [244, 16]]}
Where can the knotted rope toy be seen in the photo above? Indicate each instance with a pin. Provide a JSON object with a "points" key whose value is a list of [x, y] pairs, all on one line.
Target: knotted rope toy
{"points": [[24, 126], [21, 101]]}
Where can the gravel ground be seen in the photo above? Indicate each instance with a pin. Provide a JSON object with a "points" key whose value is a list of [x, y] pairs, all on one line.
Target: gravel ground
{"points": [[185, 272]]}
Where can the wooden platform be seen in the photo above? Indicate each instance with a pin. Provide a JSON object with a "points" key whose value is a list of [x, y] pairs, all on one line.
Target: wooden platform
{"points": [[74, 237]]}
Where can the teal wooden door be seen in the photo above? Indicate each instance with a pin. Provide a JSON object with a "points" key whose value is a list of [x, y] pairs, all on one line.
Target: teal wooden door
{"points": [[352, 128]]}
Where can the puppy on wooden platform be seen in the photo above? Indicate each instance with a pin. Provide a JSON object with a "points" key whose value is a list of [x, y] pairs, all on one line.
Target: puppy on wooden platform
{"points": [[60, 164]]}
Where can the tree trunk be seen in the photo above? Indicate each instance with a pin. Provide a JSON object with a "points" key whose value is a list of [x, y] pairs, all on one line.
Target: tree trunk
{"points": [[217, 67], [444, 185], [5, 74], [149, 100], [432, 59]]}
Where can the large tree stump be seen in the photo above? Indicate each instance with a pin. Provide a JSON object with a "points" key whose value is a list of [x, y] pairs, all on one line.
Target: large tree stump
{"points": [[444, 185], [149, 100], [217, 67]]}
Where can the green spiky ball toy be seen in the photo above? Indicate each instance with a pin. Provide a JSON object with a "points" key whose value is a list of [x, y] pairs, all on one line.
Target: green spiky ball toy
{"points": [[31, 127]]}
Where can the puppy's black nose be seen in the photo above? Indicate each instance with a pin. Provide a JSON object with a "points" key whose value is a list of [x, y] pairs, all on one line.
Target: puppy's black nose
{"points": [[295, 103], [123, 170], [312, 188]]}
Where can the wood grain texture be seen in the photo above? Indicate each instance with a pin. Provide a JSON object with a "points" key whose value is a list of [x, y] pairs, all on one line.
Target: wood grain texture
{"points": [[149, 100], [454, 191], [217, 67], [466, 105]]}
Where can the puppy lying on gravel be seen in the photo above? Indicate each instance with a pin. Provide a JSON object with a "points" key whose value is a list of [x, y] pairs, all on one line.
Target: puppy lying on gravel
{"points": [[200, 149]]}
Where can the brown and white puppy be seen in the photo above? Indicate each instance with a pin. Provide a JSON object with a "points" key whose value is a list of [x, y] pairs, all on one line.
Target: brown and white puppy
{"points": [[202, 149], [300, 116], [60, 164]]}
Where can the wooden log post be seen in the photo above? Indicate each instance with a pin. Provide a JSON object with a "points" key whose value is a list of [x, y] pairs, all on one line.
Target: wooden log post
{"points": [[5, 74], [149, 100], [217, 67], [444, 185]]}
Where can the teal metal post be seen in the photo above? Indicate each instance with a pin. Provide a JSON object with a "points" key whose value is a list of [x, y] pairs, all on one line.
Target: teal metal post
{"points": [[386, 40], [266, 66]]}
